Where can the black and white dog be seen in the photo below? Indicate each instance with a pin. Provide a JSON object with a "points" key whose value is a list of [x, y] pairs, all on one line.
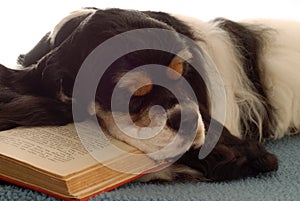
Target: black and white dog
{"points": [[259, 63]]}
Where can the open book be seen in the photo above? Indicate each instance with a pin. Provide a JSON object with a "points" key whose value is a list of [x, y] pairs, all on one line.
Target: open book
{"points": [[53, 160]]}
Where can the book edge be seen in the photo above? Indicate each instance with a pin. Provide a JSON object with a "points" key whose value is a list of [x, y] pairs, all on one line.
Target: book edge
{"points": [[59, 196]]}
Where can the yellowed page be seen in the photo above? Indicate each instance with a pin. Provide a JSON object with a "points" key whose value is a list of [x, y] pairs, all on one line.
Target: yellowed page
{"points": [[55, 149]]}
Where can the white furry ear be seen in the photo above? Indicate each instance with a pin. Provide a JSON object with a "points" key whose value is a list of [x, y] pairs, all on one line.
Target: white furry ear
{"points": [[138, 83]]}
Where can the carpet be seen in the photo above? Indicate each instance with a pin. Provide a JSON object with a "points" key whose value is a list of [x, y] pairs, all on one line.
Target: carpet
{"points": [[283, 185]]}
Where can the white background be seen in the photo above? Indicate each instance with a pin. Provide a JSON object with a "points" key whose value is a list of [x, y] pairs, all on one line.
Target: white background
{"points": [[24, 22]]}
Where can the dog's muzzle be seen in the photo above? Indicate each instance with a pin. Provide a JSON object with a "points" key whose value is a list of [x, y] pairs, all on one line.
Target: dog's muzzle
{"points": [[184, 118]]}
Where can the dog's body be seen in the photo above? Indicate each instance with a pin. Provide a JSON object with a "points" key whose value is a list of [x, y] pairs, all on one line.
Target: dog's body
{"points": [[259, 63], [276, 54]]}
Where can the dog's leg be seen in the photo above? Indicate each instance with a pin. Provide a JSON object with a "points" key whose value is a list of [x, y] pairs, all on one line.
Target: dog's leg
{"points": [[39, 50], [231, 158], [19, 107], [54, 38], [26, 110]]}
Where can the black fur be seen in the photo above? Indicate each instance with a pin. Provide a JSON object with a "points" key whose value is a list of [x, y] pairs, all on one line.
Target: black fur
{"points": [[232, 158], [29, 97], [175, 23], [249, 43]]}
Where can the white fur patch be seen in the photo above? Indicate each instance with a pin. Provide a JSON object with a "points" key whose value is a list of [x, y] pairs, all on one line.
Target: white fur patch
{"points": [[137, 82], [281, 62], [158, 140], [185, 54], [65, 20]]}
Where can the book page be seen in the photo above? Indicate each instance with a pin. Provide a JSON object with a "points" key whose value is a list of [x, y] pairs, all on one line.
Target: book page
{"points": [[57, 150]]}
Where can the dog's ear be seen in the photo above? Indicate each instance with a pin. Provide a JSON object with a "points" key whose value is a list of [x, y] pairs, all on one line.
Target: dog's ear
{"points": [[25, 110], [137, 83]]}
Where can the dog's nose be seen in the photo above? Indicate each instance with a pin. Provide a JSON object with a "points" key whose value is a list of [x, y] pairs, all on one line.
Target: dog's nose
{"points": [[186, 122]]}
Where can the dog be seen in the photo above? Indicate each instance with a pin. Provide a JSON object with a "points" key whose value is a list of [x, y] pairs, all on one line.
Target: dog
{"points": [[258, 62]]}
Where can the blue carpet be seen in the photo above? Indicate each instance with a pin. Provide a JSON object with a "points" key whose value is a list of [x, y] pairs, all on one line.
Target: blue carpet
{"points": [[284, 185]]}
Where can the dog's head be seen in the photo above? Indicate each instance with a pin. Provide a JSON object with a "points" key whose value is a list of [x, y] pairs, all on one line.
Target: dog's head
{"points": [[132, 86], [137, 93], [147, 111]]}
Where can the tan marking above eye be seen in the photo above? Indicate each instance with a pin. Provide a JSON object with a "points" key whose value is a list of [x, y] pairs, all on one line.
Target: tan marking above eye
{"points": [[176, 65], [137, 82], [143, 90]]}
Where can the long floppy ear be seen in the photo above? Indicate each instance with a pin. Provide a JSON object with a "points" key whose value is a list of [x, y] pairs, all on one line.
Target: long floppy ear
{"points": [[25, 110], [231, 158]]}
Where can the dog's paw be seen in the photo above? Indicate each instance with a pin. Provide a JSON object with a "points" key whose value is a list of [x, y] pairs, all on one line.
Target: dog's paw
{"points": [[234, 163], [20, 59], [231, 160]]}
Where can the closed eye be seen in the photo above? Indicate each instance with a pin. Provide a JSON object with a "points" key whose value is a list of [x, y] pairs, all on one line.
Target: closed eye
{"points": [[136, 104]]}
